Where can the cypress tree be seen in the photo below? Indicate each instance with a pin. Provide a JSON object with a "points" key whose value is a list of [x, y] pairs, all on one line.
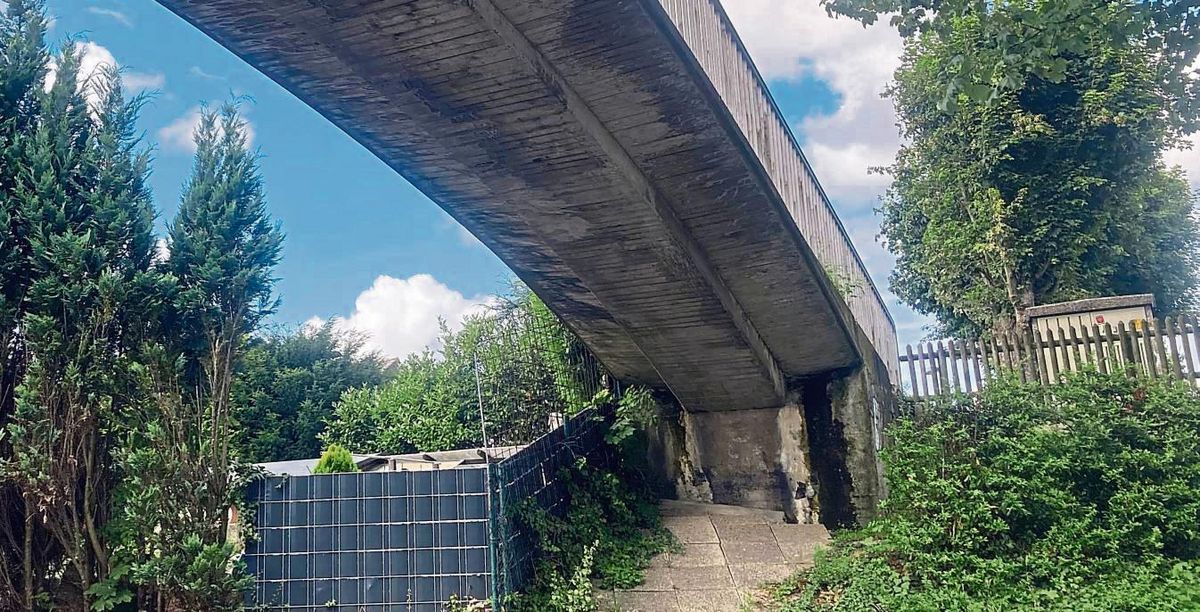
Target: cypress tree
{"points": [[181, 472], [80, 295]]}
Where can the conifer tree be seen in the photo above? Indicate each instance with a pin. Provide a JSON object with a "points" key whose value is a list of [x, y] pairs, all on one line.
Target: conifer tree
{"points": [[80, 218], [182, 474]]}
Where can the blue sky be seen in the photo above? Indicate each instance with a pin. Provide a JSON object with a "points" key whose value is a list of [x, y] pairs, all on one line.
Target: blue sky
{"points": [[365, 245]]}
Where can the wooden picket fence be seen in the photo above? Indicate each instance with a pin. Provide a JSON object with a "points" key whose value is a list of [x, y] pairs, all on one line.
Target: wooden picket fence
{"points": [[1165, 347]]}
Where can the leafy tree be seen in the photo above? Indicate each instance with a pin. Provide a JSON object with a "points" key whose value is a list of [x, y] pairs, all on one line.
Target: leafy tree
{"points": [[335, 460], [287, 385], [519, 359], [1042, 39], [115, 372], [23, 60], [1051, 190], [428, 406], [79, 298]]}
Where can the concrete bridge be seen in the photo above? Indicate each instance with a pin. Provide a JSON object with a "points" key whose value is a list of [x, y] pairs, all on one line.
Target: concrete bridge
{"points": [[626, 160]]}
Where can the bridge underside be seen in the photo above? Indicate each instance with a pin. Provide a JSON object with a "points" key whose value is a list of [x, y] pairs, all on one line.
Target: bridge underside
{"points": [[579, 141]]}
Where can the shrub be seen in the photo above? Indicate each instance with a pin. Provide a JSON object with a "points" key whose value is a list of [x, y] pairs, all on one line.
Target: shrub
{"points": [[1081, 496], [335, 460]]}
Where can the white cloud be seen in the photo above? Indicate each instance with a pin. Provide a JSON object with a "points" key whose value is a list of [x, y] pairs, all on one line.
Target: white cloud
{"points": [[94, 60], [179, 135], [143, 81], [200, 72], [400, 316], [791, 39], [113, 14], [162, 250]]}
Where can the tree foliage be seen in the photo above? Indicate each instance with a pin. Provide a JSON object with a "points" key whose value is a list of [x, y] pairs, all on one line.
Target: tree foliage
{"points": [[287, 385], [518, 359], [182, 472], [1083, 496], [1042, 39], [116, 472], [1053, 189]]}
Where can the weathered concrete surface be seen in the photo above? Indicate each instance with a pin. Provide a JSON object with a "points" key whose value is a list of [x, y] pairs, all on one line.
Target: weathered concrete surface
{"points": [[578, 140], [815, 459], [728, 553]]}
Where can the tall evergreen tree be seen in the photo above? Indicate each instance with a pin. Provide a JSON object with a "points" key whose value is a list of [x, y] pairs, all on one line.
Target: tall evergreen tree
{"points": [[182, 471], [80, 218], [23, 60]]}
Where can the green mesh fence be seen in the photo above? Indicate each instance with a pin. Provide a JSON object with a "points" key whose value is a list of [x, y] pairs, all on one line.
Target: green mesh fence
{"points": [[536, 385]]}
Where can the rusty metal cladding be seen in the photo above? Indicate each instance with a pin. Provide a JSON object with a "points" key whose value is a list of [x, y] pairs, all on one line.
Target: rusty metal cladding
{"points": [[580, 142]]}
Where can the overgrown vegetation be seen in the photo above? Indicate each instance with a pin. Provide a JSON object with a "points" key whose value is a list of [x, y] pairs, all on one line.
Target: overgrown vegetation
{"points": [[1081, 496], [287, 384], [608, 535], [517, 358]]}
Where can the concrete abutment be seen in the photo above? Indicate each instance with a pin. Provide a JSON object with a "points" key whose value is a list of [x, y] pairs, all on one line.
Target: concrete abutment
{"points": [[816, 458]]}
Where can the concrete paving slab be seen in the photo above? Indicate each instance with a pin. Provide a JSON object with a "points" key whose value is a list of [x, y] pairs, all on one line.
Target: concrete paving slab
{"points": [[727, 553], [646, 601], [606, 601], [740, 519], [800, 543], [749, 532], [729, 600], [692, 529], [671, 507], [741, 553], [710, 578], [753, 575], [698, 555], [657, 579]]}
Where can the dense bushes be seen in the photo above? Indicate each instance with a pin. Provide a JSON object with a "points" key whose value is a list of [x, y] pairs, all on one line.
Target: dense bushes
{"points": [[1083, 496], [287, 384], [517, 359]]}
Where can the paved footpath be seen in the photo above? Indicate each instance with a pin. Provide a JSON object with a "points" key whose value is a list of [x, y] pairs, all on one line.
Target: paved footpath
{"points": [[727, 552]]}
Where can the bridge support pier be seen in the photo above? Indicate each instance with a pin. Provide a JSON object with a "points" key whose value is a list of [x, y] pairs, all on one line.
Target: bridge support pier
{"points": [[816, 458]]}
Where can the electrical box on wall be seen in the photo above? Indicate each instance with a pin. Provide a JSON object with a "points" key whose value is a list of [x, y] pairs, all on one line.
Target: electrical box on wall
{"points": [[1132, 310], [1074, 322]]}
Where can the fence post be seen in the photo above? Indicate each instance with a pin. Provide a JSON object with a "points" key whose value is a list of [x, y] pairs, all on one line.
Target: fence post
{"points": [[1171, 336], [1128, 348], [1055, 371], [943, 375], [912, 372], [1098, 342], [989, 347], [1160, 348], [1032, 371], [952, 358], [1187, 327], [1151, 356], [1080, 356], [921, 365]]}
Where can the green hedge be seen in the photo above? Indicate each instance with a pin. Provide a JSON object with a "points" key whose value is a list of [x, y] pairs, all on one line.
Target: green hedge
{"points": [[1080, 496]]}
